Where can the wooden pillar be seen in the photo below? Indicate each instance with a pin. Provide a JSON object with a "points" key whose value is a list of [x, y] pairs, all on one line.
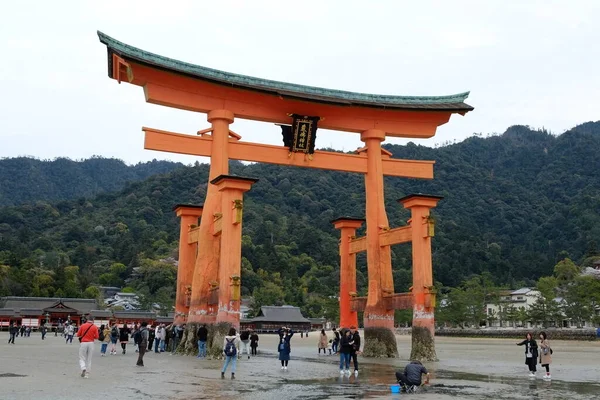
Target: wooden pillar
{"points": [[423, 345], [230, 270], [189, 215], [347, 227], [379, 262], [207, 261]]}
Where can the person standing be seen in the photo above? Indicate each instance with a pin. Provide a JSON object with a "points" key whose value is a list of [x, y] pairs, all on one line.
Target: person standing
{"points": [[336, 341], [254, 343], [531, 353], [355, 348], [545, 354], [87, 333], [151, 335], [345, 350], [12, 332], [114, 337], [157, 338], [22, 330], [202, 339], [322, 342], [70, 331], [124, 337], [143, 335], [177, 336], [284, 347], [245, 339], [43, 331], [230, 349], [28, 331], [104, 337]]}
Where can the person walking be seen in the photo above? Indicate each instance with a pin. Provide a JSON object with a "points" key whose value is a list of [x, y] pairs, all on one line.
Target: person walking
{"points": [[336, 341], [22, 330], [124, 337], [70, 331], [345, 351], [531, 353], [355, 348], [114, 337], [245, 339], [284, 347], [230, 348], [323, 339], [545, 355], [254, 343], [143, 335], [43, 331], [12, 330], [87, 333], [202, 339], [104, 337]]}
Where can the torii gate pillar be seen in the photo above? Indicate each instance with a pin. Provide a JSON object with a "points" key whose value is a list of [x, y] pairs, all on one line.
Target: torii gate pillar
{"points": [[347, 227], [189, 215], [423, 326]]}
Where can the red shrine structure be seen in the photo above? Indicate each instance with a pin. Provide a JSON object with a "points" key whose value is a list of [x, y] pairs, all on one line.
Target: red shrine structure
{"points": [[208, 283]]}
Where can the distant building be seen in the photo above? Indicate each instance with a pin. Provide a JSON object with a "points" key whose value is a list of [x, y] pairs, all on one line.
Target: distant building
{"points": [[127, 301], [271, 318], [35, 311], [521, 299]]}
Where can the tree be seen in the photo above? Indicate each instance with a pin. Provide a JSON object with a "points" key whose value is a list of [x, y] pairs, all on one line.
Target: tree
{"points": [[566, 271]]}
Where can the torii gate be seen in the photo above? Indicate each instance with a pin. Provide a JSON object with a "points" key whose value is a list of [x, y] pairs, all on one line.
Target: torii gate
{"points": [[211, 279]]}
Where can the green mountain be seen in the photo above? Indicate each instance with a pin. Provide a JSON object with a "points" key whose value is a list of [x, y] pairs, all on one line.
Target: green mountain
{"points": [[26, 180], [514, 205]]}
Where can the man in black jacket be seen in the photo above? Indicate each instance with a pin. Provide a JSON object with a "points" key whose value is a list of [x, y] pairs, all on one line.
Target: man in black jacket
{"points": [[355, 348], [412, 374], [12, 331], [202, 338]]}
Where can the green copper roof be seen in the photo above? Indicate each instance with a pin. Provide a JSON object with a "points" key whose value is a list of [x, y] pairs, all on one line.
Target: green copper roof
{"points": [[454, 103]]}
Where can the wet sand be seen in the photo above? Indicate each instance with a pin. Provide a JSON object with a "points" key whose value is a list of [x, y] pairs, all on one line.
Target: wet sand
{"points": [[468, 369]]}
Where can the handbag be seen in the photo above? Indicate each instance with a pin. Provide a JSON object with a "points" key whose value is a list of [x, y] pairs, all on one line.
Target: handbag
{"points": [[86, 331]]}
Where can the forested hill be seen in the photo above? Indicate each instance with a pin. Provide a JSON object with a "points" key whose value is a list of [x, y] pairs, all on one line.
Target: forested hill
{"points": [[25, 180], [514, 205]]}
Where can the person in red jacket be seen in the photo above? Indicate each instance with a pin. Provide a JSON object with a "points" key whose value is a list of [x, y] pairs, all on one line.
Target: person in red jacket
{"points": [[87, 333]]}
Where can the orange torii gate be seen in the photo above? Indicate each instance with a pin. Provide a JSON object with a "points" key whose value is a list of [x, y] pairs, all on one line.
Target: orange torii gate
{"points": [[208, 282]]}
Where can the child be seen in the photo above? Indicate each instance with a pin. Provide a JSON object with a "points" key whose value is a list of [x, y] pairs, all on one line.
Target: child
{"points": [[329, 345]]}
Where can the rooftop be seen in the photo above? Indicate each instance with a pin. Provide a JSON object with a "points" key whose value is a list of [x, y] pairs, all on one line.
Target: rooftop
{"points": [[280, 314], [454, 103]]}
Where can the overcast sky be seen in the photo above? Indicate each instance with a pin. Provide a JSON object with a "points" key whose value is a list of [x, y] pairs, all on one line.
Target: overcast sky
{"points": [[525, 62]]}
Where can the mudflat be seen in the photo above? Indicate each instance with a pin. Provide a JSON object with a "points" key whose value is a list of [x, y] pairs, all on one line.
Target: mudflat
{"points": [[467, 369]]}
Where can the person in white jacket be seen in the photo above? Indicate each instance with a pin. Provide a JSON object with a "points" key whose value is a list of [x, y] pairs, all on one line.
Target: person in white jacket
{"points": [[231, 345]]}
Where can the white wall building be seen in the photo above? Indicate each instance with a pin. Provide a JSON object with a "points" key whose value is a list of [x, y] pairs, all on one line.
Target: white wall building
{"points": [[521, 299]]}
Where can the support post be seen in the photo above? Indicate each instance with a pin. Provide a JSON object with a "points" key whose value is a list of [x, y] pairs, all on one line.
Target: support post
{"points": [[347, 227], [206, 270], [378, 320], [232, 189], [423, 330], [189, 215]]}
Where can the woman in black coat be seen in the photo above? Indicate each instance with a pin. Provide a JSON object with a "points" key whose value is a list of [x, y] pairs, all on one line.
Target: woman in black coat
{"points": [[124, 337], [284, 347], [531, 353]]}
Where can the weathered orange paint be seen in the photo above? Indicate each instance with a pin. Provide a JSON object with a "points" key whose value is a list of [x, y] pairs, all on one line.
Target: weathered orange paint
{"points": [[187, 259], [423, 293], [206, 271], [379, 261], [347, 227], [238, 150]]}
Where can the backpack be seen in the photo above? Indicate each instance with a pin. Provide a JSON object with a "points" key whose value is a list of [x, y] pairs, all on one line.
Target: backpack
{"points": [[230, 349], [101, 336], [282, 346], [244, 336], [114, 332]]}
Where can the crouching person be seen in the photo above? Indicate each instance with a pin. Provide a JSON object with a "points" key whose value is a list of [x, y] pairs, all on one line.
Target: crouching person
{"points": [[412, 375]]}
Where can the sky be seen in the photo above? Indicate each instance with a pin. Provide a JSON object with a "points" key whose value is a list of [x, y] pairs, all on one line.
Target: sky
{"points": [[525, 62]]}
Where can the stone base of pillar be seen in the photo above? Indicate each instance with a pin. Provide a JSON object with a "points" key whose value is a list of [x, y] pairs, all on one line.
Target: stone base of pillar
{"points": [[423, 345], [214, 345], [380, 342]]}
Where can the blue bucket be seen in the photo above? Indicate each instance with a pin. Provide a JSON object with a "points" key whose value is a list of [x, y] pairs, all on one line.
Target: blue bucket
{"points": [[395, 388]]}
